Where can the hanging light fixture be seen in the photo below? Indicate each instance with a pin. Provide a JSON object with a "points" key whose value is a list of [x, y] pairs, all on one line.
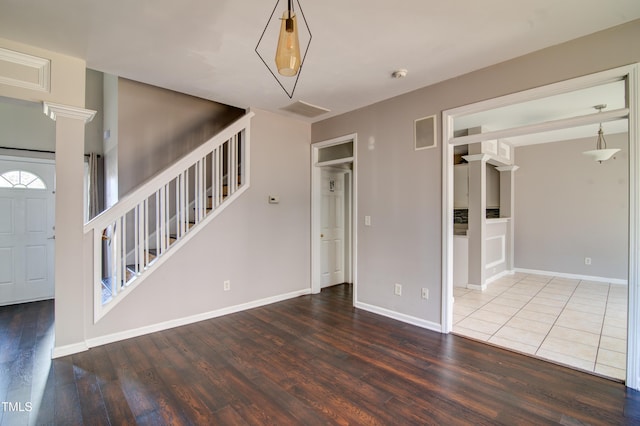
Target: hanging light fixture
{"points": [[288, 51], [288, 60], [601, 153]]}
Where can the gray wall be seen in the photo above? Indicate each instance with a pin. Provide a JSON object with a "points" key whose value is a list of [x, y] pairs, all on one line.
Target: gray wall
{"points": [[25, 126], [110, 127], [94, 100], [569, 207], [401, 188], [157, 126], [264, 249]]}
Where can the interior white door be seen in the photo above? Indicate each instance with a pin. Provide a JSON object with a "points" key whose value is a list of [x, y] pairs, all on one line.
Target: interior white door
{"points": [[332, 228], [27, 220]]}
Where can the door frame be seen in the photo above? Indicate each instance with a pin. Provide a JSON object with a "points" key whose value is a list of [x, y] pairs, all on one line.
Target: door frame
{"points": [[345, 175], [316, 204], [631, 74]]}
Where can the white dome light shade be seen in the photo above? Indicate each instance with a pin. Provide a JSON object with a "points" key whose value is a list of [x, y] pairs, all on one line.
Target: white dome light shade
{"points": [[601, 155]]}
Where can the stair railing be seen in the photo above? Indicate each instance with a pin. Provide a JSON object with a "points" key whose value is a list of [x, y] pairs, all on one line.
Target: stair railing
{"points": [[148, 225]]}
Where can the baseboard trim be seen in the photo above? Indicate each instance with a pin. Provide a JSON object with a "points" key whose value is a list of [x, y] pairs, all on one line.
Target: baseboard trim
{"points": [[400, 317], [499, 275], [477, 287], [128, 334], [573, 276], [490, 280], [60, 351], [110, 338]]}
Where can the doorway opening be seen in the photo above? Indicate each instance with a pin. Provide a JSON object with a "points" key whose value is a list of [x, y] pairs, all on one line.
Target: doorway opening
{"points": [[627, 77], [333, 213]]}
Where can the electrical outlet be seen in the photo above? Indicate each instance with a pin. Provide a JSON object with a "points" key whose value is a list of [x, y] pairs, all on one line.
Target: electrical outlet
{"points": [[227, 285], [397, 289], [587, 261], [367, 221], [425, 293]]}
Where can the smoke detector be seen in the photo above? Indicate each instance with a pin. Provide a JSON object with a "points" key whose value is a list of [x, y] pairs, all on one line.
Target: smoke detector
{"points": [[401, 73]]}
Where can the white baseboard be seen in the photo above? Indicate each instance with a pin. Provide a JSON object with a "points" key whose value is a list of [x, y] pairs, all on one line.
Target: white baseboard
{"points": [[127, 334], [400, 317], [499, 275], [573, 276], [110, 338], [477, 287], [490, 280], [60, 351]]}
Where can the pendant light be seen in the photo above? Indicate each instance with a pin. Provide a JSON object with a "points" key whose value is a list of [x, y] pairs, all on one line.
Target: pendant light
{"points": [[294, 37], [601, 153], [288, 50]]}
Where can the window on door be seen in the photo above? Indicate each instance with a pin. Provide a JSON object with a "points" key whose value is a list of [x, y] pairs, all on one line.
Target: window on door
{"points": [[21, 179]]}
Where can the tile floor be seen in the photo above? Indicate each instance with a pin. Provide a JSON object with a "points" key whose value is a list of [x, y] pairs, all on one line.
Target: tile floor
{"points": [[582, 324]]}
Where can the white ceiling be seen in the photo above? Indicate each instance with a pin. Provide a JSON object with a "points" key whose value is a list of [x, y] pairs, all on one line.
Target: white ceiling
{"points": [[206, 47]]}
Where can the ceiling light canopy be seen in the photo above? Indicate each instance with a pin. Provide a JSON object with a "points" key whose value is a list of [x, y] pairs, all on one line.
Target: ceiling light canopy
{"points": [[288, 60], [601, 153]]}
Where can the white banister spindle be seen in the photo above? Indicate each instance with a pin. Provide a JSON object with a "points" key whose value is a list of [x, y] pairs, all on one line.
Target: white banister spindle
{"points": [[139, 250], [204, 186], [216, 181], [136, 237], [177, 214], [161, 220], [123, 253], [233, 174], [167, 218], [157, 220], [229, 166], [145, 247], [198, 194], [184, 207], [115, 256], [119, 251]]}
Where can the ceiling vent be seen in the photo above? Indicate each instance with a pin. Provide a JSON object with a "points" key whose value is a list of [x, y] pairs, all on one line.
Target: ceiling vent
{"points": [[306, 109]]}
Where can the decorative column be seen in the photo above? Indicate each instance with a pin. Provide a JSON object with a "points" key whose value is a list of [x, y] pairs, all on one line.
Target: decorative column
{"points": [[70, 301], [507, 207], [477, 219]]}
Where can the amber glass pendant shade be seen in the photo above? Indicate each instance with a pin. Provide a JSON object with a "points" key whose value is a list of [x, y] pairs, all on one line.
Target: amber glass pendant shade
{"points": [[288, 50]]}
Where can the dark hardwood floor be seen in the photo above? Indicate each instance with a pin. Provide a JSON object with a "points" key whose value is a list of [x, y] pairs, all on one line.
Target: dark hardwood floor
{"points": [[311, 360]]}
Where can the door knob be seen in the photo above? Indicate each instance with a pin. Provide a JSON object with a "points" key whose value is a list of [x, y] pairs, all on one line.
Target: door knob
{"points": [[321, 235]]}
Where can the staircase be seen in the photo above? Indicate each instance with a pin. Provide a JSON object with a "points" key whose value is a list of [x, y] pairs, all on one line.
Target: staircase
{"points": [[147, 226]]}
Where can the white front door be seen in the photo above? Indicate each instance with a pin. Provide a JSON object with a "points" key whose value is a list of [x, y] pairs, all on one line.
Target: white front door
{"points": [[26, 230], [332, 220]]}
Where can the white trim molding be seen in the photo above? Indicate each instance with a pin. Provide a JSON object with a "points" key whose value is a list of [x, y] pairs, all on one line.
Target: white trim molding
{"points": [[53, 111], [60, 351], [628, 73], [136, 332], [316, 170], [429, 325], [593, 278], [503, 251], [507, 168], [477, 157], [40, 67]]}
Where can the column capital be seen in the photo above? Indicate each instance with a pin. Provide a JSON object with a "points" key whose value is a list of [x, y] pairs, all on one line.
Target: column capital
{"points": [[507, 168], [53, 111], [477, 157]]}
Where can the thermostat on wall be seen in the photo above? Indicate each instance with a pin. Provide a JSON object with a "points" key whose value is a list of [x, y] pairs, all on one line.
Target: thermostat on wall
{"points": [[274, 199]]}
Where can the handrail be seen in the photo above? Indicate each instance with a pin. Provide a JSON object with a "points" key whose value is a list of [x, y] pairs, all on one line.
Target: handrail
{"points": [[150, 186], [144, 228]]}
